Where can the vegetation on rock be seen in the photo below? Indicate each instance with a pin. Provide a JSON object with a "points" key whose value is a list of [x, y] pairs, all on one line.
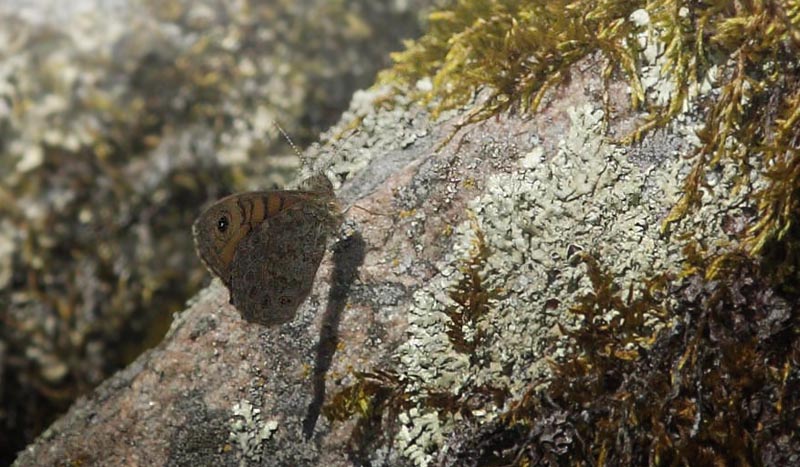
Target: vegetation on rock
{"points": [[699, 368]]}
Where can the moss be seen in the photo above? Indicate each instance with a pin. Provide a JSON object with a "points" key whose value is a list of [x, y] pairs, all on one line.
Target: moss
{"points": [[375, 399], [616, 324], [517, 51], [470, 300], [575, 230], [485, 327], [680, 355], [718, 388]]}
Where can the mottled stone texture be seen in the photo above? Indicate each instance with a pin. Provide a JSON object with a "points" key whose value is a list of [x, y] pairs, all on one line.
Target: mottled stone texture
{"points": [[119, 121], [220, 391]]}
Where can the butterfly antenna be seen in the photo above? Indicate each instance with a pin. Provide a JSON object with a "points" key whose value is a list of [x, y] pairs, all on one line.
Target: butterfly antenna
{"points": [[302, 159], [291, 143]]}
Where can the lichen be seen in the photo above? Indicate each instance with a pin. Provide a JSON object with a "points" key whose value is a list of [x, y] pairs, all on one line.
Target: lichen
{"points": [[533, 221], [520, 259], [249, 432], [644, 368], [715, 389], [740, 57]]}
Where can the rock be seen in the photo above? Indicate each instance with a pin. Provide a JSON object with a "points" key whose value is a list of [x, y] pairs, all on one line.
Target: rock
{"points": [[119, 120], [532, 191]]}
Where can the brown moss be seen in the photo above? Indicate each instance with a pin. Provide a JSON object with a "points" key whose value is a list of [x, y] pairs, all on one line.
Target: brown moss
{"points": [[718, 388], [470, 300]]}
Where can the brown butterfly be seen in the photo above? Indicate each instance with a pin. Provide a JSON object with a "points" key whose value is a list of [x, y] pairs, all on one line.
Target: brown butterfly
{"points": [[266, 246]]}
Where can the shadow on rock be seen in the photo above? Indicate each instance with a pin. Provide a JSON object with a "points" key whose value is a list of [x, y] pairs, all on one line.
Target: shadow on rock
{"points": [[348, 255]]}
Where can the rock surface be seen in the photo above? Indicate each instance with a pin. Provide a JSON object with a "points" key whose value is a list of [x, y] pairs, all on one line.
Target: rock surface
{"points": [[119, 120], [220, 391]]}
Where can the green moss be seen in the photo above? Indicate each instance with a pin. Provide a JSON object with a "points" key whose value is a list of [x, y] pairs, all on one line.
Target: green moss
{"points": [[753, 120], [517, 51]]}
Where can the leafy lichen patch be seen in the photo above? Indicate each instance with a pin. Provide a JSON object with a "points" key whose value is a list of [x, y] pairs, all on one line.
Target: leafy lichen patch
{"points": [[249, 432], [532, 222], [489, 324]]}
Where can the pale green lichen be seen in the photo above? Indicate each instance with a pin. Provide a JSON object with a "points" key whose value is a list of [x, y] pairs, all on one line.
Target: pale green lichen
{"points": [[691, 69], [581, 197], [249, 431], [589, 196]]}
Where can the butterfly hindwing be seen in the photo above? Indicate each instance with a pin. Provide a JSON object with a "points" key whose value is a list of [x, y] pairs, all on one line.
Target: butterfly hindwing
{"points": [[274, 265]]}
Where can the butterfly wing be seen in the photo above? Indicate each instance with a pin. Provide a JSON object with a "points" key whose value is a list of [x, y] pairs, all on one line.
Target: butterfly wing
{"points": [[274, 265]]}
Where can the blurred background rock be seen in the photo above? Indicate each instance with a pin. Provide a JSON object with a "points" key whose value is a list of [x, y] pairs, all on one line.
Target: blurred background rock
{"points": [[119, 120]]}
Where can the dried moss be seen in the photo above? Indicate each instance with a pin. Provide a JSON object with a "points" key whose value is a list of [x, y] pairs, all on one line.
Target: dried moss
{"points": [[378, 399], [719, 387], [470, 300], [616, 325]]}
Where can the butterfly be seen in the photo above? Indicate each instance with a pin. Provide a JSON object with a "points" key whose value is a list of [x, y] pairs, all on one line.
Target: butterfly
{"points": [[266, 246]]}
